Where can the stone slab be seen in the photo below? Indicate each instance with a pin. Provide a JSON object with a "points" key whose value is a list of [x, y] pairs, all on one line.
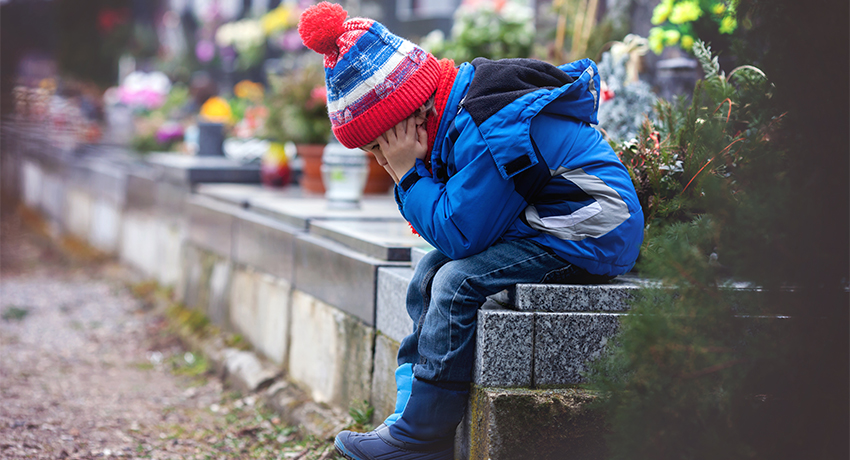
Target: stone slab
{"points": [[330, 352], [295, 408], [417, 253], [10, 162], [138, 248], [259, 310], [101, 178], [242, 194], [141, 189], [383, 378], [152, 245], [297, 208], [170, 239], [246, 372], [565, 342], [382, 239], [218, 304], [206, 284], [565, 297], [211, 225], [299, 211], [264, 243], [53, 194], [78, 175], [338, 275], [31, 184], [170, 200], [190, 169], [188, 291], [78, 212], [105, 230], [510, 424], [391, 318], [504, 348]]}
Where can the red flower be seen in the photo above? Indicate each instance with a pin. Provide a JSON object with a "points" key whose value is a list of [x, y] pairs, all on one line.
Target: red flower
{"points": [[607, 93], [108, 19]]}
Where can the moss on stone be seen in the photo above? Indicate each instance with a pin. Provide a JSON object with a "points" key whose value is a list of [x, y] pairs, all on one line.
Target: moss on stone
{"points": [[540, 424]]}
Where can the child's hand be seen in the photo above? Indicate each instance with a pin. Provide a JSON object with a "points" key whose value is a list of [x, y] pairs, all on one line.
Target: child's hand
{"points": [[401, 145]]}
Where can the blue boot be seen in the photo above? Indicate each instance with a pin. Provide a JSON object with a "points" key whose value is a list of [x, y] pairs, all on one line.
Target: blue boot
{"points": [[403, 382], [425, 430]]}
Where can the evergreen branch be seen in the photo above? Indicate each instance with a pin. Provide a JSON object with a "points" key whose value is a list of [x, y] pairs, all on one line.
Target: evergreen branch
{"points": [[694, 281], [728, 114], [695, 175], [730, 145], [709, 63]]}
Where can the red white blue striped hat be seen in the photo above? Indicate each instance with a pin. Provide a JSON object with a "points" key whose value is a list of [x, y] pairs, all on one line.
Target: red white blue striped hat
{"points": [[374, 79]]}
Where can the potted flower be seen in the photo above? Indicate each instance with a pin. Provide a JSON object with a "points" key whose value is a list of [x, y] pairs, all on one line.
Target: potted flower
{"points": [[298, 113], [495, 30]]}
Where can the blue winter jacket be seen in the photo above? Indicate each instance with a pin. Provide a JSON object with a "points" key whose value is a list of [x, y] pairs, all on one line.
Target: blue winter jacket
{"points": [[515, 157]]}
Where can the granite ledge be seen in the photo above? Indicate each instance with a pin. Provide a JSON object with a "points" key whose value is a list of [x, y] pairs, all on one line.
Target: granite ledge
{"points": [[612, 297]]}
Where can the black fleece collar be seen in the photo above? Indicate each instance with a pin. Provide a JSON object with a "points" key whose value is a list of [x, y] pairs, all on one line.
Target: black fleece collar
{"points": [[498, 83]]}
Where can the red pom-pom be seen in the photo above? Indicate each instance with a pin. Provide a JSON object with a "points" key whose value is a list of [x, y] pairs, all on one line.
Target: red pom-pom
{"points": [[320, 26]]}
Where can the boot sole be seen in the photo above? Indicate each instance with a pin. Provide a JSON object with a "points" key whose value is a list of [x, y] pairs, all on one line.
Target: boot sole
{"points": [[340, 449]]}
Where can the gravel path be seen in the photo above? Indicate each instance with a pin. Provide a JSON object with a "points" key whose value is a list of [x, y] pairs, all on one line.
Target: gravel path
{"points": [[86, 370]]}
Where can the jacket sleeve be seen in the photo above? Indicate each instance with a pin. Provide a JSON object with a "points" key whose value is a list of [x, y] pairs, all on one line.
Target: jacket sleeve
{"points": [[470, 211]]}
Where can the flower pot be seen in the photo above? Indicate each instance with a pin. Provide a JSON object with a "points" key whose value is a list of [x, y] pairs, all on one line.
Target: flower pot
{"points": [[274, 166], [344, 173], [379, 180], [311, 175]]}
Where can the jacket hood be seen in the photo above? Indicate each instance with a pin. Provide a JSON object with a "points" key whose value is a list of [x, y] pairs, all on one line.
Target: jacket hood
{"points": [[497, 84], [504, 96]]}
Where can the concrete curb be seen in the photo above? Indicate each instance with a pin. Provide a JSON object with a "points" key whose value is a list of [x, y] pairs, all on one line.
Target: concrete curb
{"points": [[249, 372]]}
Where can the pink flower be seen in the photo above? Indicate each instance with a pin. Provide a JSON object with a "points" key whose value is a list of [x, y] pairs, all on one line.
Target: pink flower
{"points": [[169, 132], [319, 95], [205, 51]]}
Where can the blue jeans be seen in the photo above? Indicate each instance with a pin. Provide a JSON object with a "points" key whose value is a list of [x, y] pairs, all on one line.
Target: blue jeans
{"points": [[444, 296]]}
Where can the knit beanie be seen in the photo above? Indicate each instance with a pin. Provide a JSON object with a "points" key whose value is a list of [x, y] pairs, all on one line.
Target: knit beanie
{"points": [[374, 79]]}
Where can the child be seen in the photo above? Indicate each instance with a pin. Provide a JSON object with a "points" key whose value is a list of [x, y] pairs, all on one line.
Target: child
{"points": [[496, 166]]}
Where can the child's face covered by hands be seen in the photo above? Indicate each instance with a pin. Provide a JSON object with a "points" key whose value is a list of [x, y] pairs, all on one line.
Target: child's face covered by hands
{"points": [[398, 148]]}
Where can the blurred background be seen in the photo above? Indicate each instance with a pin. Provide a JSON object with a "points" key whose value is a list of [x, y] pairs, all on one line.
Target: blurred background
{"points": [[731, 117], [138, 72]]}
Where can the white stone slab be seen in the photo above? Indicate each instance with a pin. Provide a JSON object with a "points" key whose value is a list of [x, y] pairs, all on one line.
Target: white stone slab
{"points": [[32, 183], [259, 310], [330, 352], [78, 213], [105, 229]]}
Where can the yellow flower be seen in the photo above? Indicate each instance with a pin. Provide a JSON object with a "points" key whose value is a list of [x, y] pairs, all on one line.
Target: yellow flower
{"points": [[671, 37], [718, 9], [656, 40], [246, 89], [48, 83], [216, 110], [687, 42], [661, 12], [728, 25], [685, 12], [276, 19]]}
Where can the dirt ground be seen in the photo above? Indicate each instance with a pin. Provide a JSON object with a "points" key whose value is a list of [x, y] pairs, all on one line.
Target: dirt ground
{"points": [[88, 370]]}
